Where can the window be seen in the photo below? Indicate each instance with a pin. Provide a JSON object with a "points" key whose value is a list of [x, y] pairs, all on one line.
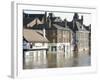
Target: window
{"points": [[53, 48], [54, 40], [43, 44]]}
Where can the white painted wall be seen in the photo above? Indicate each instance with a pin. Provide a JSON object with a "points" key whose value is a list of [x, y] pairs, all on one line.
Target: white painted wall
{"points": [[38, 44], [5, 40]]}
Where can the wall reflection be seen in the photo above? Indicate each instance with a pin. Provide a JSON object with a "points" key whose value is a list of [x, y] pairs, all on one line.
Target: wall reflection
{"points": [[35, 60]]}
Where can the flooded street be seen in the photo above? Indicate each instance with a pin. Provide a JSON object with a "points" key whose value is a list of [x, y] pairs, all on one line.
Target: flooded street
{"points": [[51, 41], [56, 60]]}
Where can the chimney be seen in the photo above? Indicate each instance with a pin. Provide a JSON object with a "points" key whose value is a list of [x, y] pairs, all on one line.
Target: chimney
{"points": [[44, 35], [82, 20], [49, 23], [50, 19], [65, 22], [45, 17], [90, 27], [51, 15], [75, 17]]}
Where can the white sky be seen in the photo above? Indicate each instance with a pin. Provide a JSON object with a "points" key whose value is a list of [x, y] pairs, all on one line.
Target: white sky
{"points": [[68, 16]]}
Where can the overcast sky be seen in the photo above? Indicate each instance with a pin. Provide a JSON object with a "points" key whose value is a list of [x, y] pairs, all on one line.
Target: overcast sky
{"points": [[68, 16]]}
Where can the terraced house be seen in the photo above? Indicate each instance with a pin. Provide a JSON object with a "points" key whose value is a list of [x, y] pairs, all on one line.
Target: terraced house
{"points": [[81, 33]]}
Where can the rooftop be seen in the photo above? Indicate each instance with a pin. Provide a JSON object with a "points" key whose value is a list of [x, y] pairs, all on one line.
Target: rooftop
{"points": [[34, 36]]}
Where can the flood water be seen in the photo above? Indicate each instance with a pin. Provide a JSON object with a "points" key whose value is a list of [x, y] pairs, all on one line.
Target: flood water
{"points": [[56, 60]]}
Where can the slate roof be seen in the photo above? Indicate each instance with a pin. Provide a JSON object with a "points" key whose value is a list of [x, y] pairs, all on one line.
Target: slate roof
{"points": [[80, 27], [74, 25], [60, 27], [34, 36], [41, 26], [27, 18], [87, 27], [60, 23]]}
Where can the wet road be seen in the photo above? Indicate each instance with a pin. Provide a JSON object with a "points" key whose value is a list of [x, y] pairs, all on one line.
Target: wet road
{"points": [[56, 60]]}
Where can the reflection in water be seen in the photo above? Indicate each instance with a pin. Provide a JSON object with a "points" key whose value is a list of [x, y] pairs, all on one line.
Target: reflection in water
{"points": [[51, 59], [35, 60], [54, 60]]}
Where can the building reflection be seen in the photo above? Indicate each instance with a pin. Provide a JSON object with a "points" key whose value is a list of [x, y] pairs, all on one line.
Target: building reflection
{"points": [[53, 60]]}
